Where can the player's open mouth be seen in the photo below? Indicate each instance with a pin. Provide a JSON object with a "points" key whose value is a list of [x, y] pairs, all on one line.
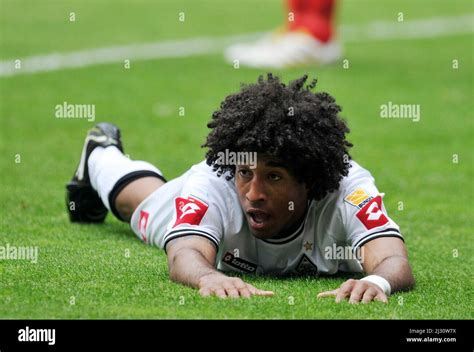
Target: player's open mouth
{"points": [[258, 218]]}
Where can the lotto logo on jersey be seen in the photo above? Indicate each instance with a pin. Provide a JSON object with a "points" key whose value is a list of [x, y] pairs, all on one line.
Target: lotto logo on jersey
{"points": [[189, 211], [239, 263], [371, 214], [358, 198]]}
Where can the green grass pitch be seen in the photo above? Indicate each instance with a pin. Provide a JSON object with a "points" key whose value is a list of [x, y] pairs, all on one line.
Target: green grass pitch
{"points": [[102, 271]]}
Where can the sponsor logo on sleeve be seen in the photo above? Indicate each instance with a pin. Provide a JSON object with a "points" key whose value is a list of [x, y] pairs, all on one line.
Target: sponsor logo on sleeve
{"points": [[358, 198], [143, 223], [189, 211], [371, 214]]}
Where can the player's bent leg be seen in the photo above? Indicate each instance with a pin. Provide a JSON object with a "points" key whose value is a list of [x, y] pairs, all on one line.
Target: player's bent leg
{"points": [[133, 194], [103, 173], [111, 172], [82, 200]]}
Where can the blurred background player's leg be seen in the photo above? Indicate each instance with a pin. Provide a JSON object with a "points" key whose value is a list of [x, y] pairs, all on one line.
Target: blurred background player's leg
{"points": [[312, 16], [308, 39]]}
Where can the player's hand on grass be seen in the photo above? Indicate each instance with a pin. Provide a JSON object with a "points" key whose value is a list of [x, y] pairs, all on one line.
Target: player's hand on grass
{"points": [[223, 286], [356, 291]]}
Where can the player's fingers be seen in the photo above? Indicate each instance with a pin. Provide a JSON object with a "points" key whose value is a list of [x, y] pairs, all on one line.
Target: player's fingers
{"points": [[242, 288], [381, 297], [244, 292], [232, 292], [357, 292], [347, 286], [251, 289], [255, 291], [345, 290], [238, 283], [264, 293], [331, 293], [220, 292], [369, 295], [341, 295], [205, 292]]}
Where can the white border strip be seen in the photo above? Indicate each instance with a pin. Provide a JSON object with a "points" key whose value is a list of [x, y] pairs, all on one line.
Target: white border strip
{"points": [[379, 30]]}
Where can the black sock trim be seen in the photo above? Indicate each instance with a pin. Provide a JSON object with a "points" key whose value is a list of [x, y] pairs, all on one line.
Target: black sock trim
{"points": [[123, 182]]}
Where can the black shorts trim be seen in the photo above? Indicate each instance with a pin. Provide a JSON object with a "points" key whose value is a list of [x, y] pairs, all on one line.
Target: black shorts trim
{"points": [[123, 182]]}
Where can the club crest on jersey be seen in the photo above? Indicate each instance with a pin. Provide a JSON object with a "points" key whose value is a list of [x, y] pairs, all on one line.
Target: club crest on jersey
{"points": [[371, 214], [189, 211], [358, 198], [143, 223], [306, 267], [239, 263]]}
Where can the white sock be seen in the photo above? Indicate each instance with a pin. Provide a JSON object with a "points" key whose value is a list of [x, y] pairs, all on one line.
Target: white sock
{"points": [[108, 165]]}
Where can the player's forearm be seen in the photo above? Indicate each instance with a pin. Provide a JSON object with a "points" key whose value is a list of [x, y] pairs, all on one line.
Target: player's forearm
{"points": [[188, 266], [397, 271]]}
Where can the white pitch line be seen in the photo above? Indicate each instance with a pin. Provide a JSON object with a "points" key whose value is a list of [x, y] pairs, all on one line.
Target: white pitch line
{"points": [[378, 30], [411, 29]]}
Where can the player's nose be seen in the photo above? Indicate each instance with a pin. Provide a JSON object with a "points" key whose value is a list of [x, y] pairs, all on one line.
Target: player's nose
{"points": [[256, 191]]}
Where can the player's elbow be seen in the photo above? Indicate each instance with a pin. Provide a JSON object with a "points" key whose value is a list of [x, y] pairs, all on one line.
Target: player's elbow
{"points": [[178, 260], [175, 274], [173, 271], [411, 282], [408, 282]]}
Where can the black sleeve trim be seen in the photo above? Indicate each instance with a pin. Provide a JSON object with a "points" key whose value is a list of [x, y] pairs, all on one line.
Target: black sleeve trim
{"points": [[390, 229], [190, 232], [369, 238]]}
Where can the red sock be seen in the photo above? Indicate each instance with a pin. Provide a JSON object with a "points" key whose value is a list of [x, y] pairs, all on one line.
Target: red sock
{"points": [[314, 16]]}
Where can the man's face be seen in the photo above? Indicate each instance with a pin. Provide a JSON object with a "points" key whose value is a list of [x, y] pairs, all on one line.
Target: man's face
{"points": [[272, 199]]}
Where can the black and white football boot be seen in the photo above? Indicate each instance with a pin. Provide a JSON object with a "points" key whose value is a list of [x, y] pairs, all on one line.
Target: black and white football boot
{"points": [[82, 201]]}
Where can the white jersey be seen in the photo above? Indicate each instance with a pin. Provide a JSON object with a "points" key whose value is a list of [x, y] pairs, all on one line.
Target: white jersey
{"points": [[327, 241]]}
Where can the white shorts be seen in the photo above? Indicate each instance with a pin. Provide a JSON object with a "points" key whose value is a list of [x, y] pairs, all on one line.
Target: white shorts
{"points": [[153, 215]]}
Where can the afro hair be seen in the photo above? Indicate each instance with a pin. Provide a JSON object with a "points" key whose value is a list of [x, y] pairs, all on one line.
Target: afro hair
{"points": [[300, 128]]}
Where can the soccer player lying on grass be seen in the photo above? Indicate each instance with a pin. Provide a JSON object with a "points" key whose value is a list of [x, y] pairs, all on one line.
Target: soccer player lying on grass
{"points": [[277, 194]]}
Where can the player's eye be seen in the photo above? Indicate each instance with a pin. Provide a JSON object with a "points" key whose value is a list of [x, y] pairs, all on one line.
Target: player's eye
{"points": [[274, 177], [245, 173]]}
